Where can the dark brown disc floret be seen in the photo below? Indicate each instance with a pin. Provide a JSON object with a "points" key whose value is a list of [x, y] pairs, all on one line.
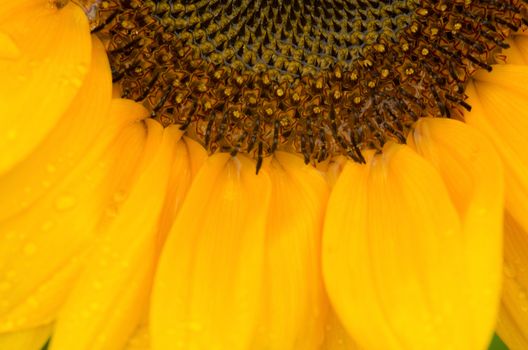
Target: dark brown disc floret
{"points": [[321, 78]]}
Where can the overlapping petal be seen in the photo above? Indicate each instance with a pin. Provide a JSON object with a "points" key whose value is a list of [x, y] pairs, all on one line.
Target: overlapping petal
{"points": [[41, 249], [30, 339], [108, 301], [208, 283], [401, 244], [412, 243], [472, 172], [294, 307], [44, 57], [65, 145], [499, 104], [513, 316]]}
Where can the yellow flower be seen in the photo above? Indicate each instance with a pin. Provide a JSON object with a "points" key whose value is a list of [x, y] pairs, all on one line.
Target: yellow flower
{"points": [[119, 233]]}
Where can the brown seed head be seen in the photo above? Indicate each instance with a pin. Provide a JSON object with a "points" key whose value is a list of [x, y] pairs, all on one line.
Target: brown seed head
{"points": [[322, 78]]}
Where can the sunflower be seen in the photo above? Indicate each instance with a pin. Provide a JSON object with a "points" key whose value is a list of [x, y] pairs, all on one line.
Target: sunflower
{"points": [[263, 174]]}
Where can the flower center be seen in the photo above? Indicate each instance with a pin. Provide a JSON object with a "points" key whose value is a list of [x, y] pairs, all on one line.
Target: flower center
{"points": [[321, 78]]}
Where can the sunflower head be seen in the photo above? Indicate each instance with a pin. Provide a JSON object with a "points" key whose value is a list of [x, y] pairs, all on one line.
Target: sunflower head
{"points": [[116, 228], [321, 79]]}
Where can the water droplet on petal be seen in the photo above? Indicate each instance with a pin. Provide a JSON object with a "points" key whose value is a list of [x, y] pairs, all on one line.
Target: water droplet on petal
{"points": [[4, 286], [30, 249], [7, 325], [11, 134], [47, 225], [97, 285], [76, 82], [82, 69], [65, 202], [33, 302], [10, 235], [195, 326], [51, 168]]}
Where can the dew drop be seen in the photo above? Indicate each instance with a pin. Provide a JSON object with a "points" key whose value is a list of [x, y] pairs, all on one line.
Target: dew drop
{"points": [[4, 286], [33, 64], [51, 168], [76, 82], [33, 302], [195, 326], [101, 339], [65, 202], [7, 326], [82, 69], [11, 134], [124, 263], [10, 235], [46, 226], [30, 249]]}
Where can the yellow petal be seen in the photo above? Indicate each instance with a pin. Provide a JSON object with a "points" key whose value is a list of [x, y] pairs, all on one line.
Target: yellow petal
{"points": [[393, 252], [188, 159], [472, 172], [208, 283], [516, 53], [293, 310], [513, 318], [31, 339], [64, 147], [106, 304], [521, 43], [48, 57], [500, 111], [510, 77], [11, 8], [41, 248]]}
